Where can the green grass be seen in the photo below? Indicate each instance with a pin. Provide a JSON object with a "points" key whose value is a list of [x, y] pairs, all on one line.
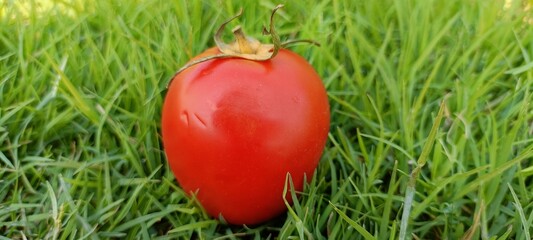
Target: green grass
{"points": [[82, 84]]}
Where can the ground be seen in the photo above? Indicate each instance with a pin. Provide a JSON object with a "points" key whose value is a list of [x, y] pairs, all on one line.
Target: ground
{"points": [[431, 119]]}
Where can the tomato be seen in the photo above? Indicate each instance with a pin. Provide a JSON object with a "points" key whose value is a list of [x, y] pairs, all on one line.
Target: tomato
{"points": [[234, 128]]}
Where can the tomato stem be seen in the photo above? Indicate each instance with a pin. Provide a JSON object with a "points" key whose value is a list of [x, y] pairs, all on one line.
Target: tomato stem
{"points": [[246, 45]]}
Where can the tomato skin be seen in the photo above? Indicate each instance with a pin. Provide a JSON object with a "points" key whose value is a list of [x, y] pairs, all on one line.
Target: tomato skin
{"points": [[233, 128]]}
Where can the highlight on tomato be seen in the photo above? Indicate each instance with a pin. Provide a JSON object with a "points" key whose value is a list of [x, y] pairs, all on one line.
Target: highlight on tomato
{"points": [[238, 119]]}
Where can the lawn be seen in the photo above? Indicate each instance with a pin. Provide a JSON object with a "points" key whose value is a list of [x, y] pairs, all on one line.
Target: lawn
{"points": [[431, 118]]}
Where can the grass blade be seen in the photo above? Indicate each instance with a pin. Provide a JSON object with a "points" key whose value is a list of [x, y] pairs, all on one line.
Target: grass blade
{"points": [[367, 235], [411, 186]]}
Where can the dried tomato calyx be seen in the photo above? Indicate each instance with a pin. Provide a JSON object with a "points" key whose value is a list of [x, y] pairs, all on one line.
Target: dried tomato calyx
{"points": [[244, 46]]}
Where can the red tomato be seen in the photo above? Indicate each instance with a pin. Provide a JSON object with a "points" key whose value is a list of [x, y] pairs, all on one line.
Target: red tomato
{"points": [[233, 128]]}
